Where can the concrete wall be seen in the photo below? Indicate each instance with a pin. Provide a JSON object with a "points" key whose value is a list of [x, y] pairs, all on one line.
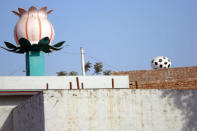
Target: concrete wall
{"points": [[98, 109], [13, 91], [120, 110], [106, 110], [29, 116], [7, 103], [62, 82]]}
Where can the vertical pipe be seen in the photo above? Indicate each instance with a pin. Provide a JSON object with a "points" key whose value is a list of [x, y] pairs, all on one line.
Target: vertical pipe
{"points": [[112, 83], [70, 85], [77, 79], [47, 86], [136, 85], [82, 62], [82, 85]]}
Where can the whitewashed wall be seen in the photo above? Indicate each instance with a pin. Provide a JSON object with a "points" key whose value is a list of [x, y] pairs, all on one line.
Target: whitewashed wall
{"points": [[29, 116], [120, 110], [62, 82], [7, 104], [95, 108], [11, 87], [106, 110]]}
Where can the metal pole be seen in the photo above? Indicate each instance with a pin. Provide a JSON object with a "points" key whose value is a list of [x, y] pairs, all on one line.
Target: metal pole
{"points": [[82, 62]]}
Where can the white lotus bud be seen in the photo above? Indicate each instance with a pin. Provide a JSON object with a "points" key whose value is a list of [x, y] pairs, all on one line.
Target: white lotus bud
{"points": [[33, 25]]}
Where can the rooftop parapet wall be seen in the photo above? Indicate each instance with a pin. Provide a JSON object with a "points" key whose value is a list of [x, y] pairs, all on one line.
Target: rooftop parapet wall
{"points": [[62, 82], [173, 78]]}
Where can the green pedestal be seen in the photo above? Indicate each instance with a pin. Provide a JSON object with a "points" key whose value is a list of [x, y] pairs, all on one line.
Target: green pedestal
{"points": [[35, 65]]}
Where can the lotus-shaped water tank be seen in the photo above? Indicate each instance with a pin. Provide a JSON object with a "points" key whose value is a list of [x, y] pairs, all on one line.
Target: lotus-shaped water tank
{"points": [[33, 25], [33, 32]]}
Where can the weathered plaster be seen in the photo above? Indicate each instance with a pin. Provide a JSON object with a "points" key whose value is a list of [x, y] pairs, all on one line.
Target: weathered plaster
{"points": [[120, 110]]}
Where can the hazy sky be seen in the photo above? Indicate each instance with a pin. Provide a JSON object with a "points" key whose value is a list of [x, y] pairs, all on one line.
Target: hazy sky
{"points": [[123, 34]]}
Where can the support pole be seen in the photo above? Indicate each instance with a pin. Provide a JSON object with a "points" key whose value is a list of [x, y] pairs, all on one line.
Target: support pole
{"points": [[35, 65], [82, 62]]}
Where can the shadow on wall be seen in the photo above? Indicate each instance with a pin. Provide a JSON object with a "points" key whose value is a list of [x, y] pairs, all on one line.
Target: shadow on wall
{"points": [[186, 101], [27, 116], [8, 124]]}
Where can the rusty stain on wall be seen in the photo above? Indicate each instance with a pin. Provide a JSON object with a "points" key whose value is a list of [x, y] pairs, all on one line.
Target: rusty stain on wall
{"points": [[111, 110], [151, 110], [92, 105], [142, 113], [114, 110]]}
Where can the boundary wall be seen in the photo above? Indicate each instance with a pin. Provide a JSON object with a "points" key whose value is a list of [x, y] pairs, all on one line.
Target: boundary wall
{"points": [[107, 110], [172, 78]]}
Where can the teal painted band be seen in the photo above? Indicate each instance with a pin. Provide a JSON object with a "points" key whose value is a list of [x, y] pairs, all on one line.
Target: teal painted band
{"points": [[35, 64]]}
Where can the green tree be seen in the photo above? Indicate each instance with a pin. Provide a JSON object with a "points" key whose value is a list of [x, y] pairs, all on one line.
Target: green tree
{"points": [[61, 73], [73, 73], [88, 65], [107, 72], [98, 67]]}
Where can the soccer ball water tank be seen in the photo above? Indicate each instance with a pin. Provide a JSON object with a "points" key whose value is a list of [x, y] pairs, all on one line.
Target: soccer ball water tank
{"points": [[161, 62]]}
